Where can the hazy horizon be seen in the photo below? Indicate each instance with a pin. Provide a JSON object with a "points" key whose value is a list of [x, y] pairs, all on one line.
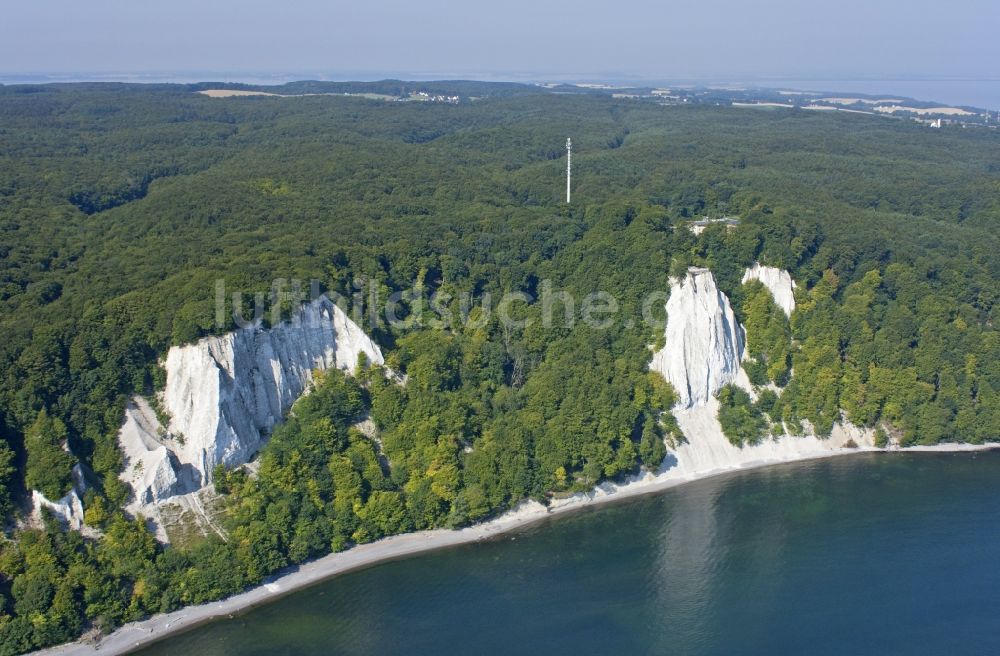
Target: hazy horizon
{"points": [[718, 41], [978, 93]]}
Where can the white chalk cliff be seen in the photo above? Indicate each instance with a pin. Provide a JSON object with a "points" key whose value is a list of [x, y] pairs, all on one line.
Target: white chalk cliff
{"points": [[69, 509], [703, 352], [778, 281], [224, 394], [704, 343], [149, 468]]}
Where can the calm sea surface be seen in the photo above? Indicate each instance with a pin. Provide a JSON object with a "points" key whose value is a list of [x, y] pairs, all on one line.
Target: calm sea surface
{"points": [[867, 554]]}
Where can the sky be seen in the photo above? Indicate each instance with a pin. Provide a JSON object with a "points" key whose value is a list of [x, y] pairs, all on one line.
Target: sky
{"points": [[511, 39]]}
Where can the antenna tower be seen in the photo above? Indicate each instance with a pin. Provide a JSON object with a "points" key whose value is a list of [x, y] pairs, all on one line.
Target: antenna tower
{"points": [[569, 167]]}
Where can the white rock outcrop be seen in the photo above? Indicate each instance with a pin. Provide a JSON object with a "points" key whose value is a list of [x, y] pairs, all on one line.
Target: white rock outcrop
{"points": [[704, 343], [69, 509], [709, 450], [224, 394], [778, 281], [703, 352], [149, 468]]}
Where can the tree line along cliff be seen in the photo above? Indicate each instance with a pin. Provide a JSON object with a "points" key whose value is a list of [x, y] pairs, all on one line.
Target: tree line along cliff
{"points": [[121, 206]]}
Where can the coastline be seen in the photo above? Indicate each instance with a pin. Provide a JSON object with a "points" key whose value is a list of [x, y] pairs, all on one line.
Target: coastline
{"points": [[135, 635]]}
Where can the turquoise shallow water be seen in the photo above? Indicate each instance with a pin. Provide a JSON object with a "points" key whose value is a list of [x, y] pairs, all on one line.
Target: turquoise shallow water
{"points": [[866, 554]]}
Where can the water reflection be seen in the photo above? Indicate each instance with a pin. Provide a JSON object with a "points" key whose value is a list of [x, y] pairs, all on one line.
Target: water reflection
{"points": [[894, 554], [687, 561]]}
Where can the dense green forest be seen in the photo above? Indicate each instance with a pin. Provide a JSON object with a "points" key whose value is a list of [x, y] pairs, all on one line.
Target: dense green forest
{"points": [[122, 205]]}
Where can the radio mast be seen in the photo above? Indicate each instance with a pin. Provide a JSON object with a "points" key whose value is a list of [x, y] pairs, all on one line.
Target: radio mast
{"points": [[569, 167]]}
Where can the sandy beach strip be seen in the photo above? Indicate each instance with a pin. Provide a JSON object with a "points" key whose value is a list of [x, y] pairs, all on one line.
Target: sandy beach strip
{"points": [[138, 634]]}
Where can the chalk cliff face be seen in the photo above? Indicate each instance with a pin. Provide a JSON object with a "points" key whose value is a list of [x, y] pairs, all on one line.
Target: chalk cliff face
{"points": [[703, 352], [68, 509], [704, 344], [224, 395], [149, 466], [778, 281]]}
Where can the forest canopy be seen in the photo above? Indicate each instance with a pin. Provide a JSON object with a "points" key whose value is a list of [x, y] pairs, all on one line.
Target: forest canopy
{"points": [[123, 206]]}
